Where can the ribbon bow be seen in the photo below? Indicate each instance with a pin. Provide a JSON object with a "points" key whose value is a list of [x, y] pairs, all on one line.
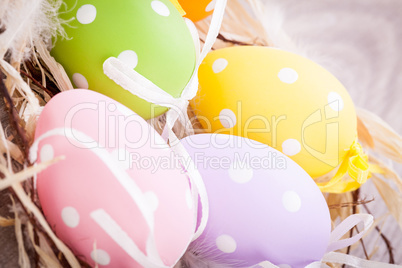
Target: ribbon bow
{"points": [[140, 86], [356, 165]]}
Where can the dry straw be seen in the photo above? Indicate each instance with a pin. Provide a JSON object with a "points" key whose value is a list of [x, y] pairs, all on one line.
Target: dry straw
{"points": [[30, 77]]}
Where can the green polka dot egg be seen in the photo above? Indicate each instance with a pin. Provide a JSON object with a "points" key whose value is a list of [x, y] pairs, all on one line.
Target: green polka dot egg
{"points": [[148, 35]]}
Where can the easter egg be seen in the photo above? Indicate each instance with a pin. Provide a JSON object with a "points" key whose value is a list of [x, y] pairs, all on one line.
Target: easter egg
{"points": [[263, 206], [150, 36], [197, 10], [116, 194], [280, 99]]}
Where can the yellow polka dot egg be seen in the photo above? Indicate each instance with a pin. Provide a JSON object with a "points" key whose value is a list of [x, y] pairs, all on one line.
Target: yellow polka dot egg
{"points": [[278, 98]]}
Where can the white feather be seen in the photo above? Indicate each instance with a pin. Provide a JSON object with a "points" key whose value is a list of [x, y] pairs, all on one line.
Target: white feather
{"points": [[26, 21], [202, 254]]}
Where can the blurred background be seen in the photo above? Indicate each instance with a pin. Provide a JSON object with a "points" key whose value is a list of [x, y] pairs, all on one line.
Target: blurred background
{"points": [[360, 42]]}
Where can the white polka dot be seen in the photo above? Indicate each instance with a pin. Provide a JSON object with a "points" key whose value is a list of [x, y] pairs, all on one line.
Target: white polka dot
{"points": [[86, 14], [240, 172], [227, 118], [210, 6], [189, 199], [291, 147], [46, 153], [80, 81], [219, 65], [123, 157], [152, 200], [70, 217], [129, 57], [291, 201], [226, 244], [335, 101], [160, 8], [100, 257], [288, 75], [78, 137]]}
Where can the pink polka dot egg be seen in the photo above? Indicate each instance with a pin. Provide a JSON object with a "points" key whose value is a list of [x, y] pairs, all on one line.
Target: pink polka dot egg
{"points": [[108, 199], [263, 206]]}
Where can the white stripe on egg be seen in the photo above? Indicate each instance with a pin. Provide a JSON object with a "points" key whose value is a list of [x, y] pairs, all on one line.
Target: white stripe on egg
{"points": [[46, 153]]}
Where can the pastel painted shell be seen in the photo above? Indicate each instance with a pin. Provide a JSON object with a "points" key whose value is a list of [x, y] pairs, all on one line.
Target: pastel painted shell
{"points": [[197, 10], [280, 99], [263, 206], [96, 197], [149, 35]]}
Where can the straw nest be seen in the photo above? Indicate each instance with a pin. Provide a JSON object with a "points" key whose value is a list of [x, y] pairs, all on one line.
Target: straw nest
{"points": [[30, 77]]}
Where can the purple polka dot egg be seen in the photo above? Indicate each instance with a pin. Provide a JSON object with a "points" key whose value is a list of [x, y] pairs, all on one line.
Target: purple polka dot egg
{"points": [[263, 206]]}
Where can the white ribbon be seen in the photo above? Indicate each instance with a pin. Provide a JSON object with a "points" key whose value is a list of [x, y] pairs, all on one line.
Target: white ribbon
{"points": [[340, 258], [197, 188], [197, 184], [152, 259], [344, 227], [336, 243], [140, 86]]}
